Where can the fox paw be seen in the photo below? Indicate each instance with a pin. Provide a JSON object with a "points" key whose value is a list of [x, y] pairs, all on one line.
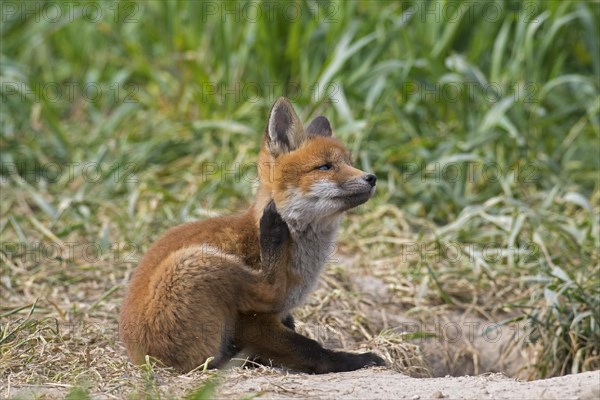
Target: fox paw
{"points": [[372, 360], [354, 361]]}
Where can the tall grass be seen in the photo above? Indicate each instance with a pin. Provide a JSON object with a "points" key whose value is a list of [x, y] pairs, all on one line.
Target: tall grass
{"points": [[485, 124]]}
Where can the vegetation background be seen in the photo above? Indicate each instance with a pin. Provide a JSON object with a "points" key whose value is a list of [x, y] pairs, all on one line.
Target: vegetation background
{"points": [[480, 119]]}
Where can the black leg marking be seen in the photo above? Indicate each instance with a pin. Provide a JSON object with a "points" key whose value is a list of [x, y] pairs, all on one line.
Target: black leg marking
{"points": [[274, 233], [227, 351], [267, 337], [289, 322]]}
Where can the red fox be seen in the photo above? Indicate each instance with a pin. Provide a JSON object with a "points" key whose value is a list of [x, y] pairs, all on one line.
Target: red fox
{"points": [[215, 287]]}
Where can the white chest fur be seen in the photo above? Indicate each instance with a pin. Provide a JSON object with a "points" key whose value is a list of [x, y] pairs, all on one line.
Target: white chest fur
{"points": [[313, 246]]}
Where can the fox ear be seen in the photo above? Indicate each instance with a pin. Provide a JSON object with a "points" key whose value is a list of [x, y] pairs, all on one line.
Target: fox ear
{"points": [[284, 131], [319, 126]]}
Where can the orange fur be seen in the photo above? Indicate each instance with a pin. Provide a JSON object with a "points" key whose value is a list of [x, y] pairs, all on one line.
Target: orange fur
{"points": [[202, 287]]}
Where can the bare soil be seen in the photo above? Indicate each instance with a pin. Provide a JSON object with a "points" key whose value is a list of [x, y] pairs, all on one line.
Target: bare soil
{"points": [[386, 384], [375, 383]]}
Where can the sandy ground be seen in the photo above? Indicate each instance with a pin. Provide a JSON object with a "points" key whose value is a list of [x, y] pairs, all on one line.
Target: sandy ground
{"points": [[374, 383], [386, 384]]}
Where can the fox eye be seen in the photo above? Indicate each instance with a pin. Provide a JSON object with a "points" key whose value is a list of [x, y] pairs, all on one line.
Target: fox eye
{"points": [[324, 167]]}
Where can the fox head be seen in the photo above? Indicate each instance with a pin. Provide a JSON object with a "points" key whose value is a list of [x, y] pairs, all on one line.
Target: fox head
{"points": [[307, 172]]}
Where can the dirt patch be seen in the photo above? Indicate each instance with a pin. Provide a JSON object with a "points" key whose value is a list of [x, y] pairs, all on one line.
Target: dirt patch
{"points": [[386, 384], [374, 383], [451, 342]]}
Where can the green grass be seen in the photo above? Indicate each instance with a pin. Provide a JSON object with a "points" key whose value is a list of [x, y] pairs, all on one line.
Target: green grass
{"points": [[483, 130]]}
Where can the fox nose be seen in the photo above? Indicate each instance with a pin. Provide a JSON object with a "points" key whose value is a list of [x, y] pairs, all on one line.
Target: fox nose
{"points": [[371, 179]]}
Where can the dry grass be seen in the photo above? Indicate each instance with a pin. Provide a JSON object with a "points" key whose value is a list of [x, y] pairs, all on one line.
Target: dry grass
{"points": [[66, 335], [59, 322]]}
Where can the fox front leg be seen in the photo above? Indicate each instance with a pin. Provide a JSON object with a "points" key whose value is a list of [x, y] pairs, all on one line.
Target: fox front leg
{"points": [[267, 288], [274, 245]]}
